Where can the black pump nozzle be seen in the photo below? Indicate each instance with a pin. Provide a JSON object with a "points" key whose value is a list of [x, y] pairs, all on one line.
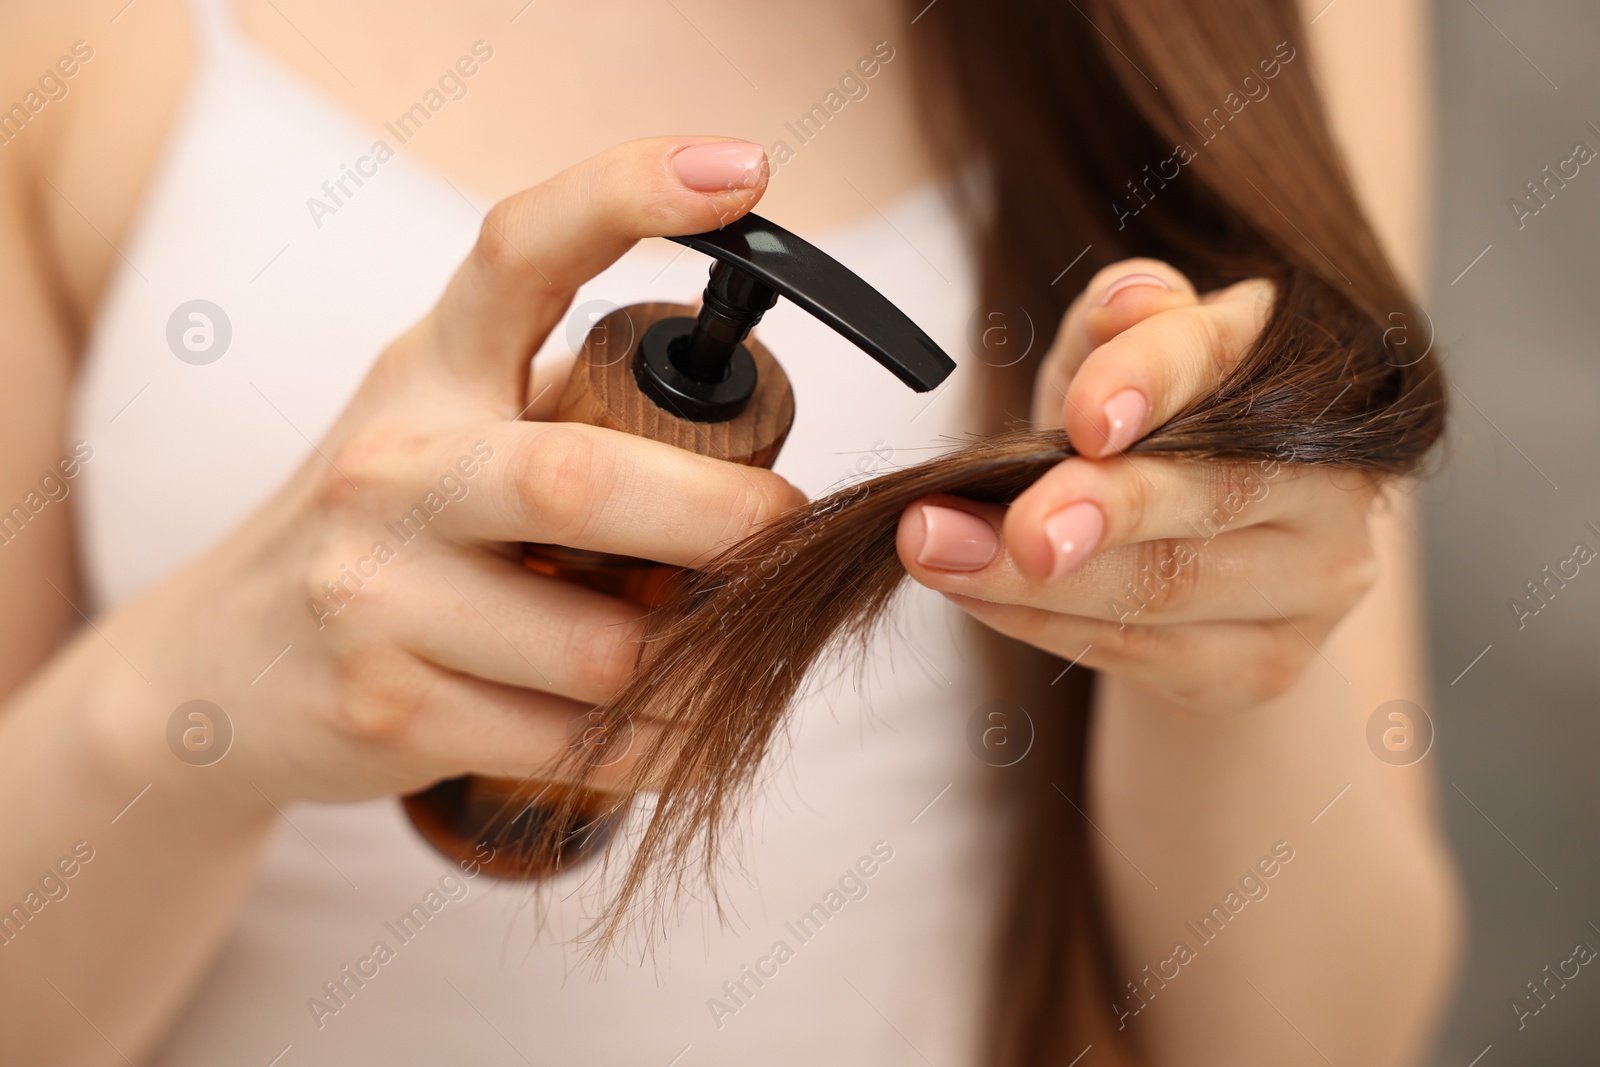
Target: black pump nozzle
{"points": [[700, 370], [732, 304]]}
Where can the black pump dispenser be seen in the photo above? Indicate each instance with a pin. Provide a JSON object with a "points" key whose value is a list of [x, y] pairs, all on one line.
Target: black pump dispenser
{"points": [[699, 369]]}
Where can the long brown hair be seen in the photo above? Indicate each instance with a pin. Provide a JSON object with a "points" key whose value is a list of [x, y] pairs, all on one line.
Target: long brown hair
{"points": [[1187, 130], [1190, 131]]}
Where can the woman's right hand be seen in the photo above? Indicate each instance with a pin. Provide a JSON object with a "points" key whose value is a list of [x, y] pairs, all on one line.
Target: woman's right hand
{"points": [[419, 647]]}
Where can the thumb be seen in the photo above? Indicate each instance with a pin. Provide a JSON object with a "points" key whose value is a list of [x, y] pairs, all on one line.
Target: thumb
{"points": [[1117, 297], [537, 247]]}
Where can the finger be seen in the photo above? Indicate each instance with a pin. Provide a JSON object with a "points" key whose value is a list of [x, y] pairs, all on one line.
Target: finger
{"points": [[1090, 525], [1115, 298], [592, 488], [422, 723], [1258, 574], [1083, 506], [1209, 666], [468, 725], [1160, 365], [492, 618], [537, 247]]}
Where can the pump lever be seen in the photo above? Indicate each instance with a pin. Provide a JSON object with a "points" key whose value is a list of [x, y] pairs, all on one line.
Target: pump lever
{"points": [[793, 267]]}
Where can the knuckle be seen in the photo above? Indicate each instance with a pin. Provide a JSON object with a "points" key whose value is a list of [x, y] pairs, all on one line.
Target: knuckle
{"points": [[1167, 576], [602, 657], [1213, 348], [377, 702], [1273, 672], [320, 577], [758, 497], [1038, 627], [558, 478], [1201, 690], [341, 581], [351, 471], [1135, 498], [1358, 568], [365, 463], [1129, 645], [1053, 381], [1257, 295], [496, 247], [1232, 488]]}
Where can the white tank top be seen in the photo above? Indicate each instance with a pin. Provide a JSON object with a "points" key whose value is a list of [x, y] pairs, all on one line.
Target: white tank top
{"points": [[860, 924]]}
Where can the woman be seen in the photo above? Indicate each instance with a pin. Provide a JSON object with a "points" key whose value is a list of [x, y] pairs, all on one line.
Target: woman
{"points": [[304, 173]]}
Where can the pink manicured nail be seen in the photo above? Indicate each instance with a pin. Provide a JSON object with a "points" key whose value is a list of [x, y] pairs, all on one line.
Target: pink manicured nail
{"points": [[955, 540], [1132, 281], [712, 168], [1125, 414], [1074, 532]]}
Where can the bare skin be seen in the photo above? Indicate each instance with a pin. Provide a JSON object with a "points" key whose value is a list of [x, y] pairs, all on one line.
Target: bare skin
{"points": [[1192, 778]]}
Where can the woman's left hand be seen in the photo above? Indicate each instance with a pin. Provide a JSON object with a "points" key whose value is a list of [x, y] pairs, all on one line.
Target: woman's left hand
{"points": [[1211, 583]]}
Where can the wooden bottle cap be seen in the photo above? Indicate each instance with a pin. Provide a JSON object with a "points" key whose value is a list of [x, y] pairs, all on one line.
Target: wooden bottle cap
{"points": [[602, 391]]}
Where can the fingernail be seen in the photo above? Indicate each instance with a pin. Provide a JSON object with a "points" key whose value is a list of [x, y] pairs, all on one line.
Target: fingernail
{"points": [[955, 540], [1133, 281], [1074, 532], [1125, 414], [712, 168]]}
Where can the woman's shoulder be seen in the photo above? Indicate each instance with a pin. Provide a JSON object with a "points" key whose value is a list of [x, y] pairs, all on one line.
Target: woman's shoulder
{"points": [[87, 92]]}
